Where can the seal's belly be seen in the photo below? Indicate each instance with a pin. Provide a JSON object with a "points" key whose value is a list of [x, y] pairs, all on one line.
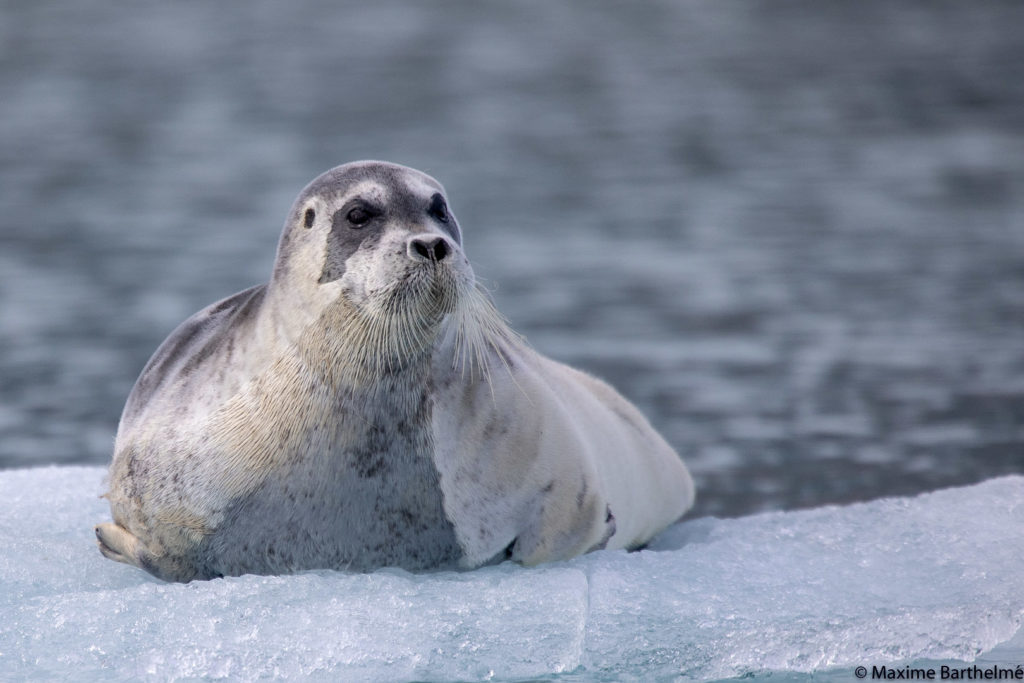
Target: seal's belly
{"points": [[300, 475], [340, 519]]}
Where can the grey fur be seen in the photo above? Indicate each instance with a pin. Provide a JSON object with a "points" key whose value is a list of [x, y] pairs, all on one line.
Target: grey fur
{"points": [[211, 337]]}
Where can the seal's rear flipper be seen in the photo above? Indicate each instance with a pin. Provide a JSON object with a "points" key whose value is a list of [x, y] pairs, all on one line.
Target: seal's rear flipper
{"points": [[117, 543]]}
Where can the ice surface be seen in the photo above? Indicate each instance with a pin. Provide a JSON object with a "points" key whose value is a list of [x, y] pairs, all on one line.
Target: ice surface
{"points": [[939, 576]]}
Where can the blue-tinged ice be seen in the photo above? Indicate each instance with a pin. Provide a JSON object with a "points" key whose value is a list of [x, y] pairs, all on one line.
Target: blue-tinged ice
{"points": [[939, 576]]}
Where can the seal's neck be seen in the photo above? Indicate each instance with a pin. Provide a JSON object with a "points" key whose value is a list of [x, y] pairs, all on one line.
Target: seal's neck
{"points": [[346, 349]]}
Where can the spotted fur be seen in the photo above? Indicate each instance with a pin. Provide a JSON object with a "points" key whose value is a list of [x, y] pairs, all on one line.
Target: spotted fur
{"points": [[369, 407]]}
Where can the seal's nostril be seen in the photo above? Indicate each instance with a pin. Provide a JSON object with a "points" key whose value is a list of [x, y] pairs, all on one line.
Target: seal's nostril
{"points": [[421, 249], [440, 250]]}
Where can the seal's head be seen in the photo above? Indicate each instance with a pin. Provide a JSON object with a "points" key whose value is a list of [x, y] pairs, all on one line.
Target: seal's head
{"points": [[375, 253]]}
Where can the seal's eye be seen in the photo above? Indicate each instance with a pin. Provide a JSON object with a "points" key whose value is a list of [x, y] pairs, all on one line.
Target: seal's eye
{"points": [[438, 209], [359, 217], [309, 218]]}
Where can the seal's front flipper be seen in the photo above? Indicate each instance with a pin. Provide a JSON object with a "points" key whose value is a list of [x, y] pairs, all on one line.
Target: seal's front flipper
{"points": [[117, 543]]}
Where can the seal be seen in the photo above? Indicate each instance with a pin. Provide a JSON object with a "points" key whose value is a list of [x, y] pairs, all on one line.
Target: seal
{"points": [[369, 407]]}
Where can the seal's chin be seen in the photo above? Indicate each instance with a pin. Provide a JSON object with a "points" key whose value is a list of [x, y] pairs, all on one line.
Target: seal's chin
{"points": [[429, 290], [403, 321]]}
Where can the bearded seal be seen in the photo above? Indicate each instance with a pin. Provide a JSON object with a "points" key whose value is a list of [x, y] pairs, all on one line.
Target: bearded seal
{"points": [[369, 407]]}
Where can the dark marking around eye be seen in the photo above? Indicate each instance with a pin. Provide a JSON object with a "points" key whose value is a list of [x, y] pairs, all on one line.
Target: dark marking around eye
{"points": [[309, 218], [438, 209]]}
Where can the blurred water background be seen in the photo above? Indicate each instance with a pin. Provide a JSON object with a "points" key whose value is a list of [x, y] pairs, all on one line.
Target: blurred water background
{"points": [[791, 232]]}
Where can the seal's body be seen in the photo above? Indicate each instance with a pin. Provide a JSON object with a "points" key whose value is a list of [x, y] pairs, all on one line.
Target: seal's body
{"points": [[369, 407]]}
